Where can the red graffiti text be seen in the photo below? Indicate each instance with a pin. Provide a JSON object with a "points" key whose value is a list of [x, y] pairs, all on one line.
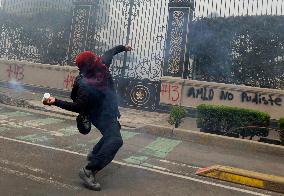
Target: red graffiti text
{"points": [[69, 80], [172, 91], [16, 72]]}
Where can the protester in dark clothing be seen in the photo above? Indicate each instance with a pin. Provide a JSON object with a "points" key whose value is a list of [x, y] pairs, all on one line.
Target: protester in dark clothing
{"points": [[106, 59], [93, 93]]}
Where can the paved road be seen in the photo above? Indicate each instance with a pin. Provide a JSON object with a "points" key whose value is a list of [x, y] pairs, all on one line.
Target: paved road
{"points": [[41, 154]]}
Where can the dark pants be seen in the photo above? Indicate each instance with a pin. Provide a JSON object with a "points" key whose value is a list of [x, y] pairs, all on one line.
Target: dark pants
{"points": [[105, 150]]}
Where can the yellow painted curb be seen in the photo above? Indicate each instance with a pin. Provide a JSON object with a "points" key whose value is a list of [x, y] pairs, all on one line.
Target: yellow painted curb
{"points": [[245, 177]]}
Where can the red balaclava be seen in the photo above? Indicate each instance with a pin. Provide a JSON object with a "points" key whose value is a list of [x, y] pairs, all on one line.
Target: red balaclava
{"points": [[93, 69], [85, 60]]}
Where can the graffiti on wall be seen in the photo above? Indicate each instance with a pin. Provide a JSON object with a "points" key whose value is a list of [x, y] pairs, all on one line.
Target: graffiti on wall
{"points": [[15, 72], [208, 94], [69, 80], [172, 92]]}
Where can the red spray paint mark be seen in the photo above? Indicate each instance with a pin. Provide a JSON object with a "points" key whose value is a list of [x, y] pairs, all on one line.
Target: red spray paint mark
{"points": [[171, 91], [16, 72], [69, 80]]}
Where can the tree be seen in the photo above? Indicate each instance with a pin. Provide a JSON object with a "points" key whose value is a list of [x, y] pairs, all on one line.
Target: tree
{"points": [[239, 50], [43, 38]]}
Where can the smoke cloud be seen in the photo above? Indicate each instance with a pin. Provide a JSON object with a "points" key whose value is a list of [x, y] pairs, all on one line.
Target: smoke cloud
{"points": [[13, 84]]}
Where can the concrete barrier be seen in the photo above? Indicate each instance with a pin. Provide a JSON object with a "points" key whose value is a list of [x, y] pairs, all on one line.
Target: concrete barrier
{"points": [[245, 177]]}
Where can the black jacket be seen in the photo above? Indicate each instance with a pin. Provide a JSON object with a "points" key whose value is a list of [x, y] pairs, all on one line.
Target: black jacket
{"points": [[100, 104]]}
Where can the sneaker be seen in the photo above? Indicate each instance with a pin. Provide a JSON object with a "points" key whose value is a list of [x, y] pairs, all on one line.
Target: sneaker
{"points": [[89, 180]]}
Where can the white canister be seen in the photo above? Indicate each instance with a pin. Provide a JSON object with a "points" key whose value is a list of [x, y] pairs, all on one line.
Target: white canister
{"points": [[45, 96]]}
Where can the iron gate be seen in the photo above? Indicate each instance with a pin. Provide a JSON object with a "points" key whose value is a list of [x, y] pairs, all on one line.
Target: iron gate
{"points": [[101, 25]]}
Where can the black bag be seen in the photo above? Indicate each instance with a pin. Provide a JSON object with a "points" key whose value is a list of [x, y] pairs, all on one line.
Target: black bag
{"points": [[83, 124]]}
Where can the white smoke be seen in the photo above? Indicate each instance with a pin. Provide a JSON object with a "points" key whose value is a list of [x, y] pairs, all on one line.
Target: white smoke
{"points": [[14, 84]]}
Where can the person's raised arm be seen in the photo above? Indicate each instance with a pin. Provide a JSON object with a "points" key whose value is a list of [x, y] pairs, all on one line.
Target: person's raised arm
{"points": [[108, 55]]}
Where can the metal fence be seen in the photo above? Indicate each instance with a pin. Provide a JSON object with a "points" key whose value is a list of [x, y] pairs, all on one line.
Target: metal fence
{"points": [[101, 25], [139, 23], [226, 8], [184, 34]]}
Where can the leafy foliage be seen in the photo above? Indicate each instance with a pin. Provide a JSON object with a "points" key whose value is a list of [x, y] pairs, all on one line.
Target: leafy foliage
{"points": [[177, 113], [41, 38], [239, 50], [226, 120]]}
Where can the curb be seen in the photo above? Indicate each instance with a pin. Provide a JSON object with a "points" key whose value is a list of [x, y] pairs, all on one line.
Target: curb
{"points": [[244, 177], [156, 130], [213, 140]]}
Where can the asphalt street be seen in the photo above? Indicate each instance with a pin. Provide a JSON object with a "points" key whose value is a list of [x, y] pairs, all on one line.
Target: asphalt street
{"points": [[42, 153]]}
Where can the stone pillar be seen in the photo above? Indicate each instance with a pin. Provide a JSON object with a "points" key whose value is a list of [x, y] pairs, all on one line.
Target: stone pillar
{"points": [[177, 43]]}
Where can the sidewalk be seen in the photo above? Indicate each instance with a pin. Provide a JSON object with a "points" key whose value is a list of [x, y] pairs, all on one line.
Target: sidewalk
{"points": [[131, 118], [25, 98], [143, 121]]}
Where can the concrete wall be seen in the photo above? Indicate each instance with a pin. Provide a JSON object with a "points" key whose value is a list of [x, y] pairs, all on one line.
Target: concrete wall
{"points": [[174, 91], [191, 93], [52, 76]]}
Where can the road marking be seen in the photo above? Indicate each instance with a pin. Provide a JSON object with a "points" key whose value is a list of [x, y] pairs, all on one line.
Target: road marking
{"points": [[6, 162], [128, 134], [16, 114], [160, 147], [10, 124], [125, 136], [34, 138], [140, 160], [179, 164], [30, 124], [2, 129], [69, 131], [38, 179], [142, 167], [85, 147], [41, 122], [34, 124], [50, 113]]}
